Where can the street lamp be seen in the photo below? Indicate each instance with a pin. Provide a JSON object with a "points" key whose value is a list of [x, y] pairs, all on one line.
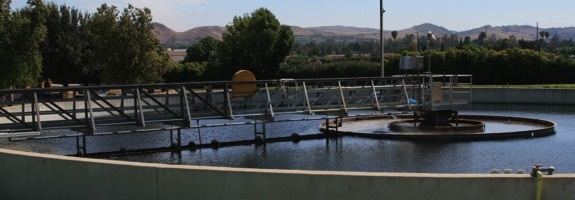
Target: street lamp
{"points": [[381, 10], [430, 37]]}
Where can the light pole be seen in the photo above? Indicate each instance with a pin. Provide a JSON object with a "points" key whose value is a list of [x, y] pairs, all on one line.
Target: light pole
{"points": [[430, 37], [381, 10]]}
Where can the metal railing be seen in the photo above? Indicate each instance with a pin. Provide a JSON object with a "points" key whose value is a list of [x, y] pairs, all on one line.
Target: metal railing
{"points": [[145, 107]]}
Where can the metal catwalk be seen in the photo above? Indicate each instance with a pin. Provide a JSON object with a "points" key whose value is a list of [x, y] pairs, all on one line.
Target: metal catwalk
{"points": [[92, 110]]}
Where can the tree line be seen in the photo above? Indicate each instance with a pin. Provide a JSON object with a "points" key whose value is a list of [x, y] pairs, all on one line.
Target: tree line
{"points": [[112, 46], [490, 59], [43, 42], [57, 42]]}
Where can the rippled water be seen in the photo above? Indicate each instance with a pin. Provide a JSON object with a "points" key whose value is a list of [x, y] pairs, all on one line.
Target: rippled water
{"points": [[350, 153]]}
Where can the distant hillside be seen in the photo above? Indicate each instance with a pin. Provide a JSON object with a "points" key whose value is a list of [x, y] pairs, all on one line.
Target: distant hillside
{"points": [[168, 37], [521, 32]]}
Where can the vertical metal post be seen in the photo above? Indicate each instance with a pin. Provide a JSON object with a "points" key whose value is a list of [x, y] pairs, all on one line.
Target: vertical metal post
{"points": [[179, 138], [74, 109], [428, 56], [135, 106], [83, 148], [536, 37], [86, 119], [182, 96], [23, 116], [269, 101], [184, 104], [451, 81], [89, 112], [167, 97], [471, 91], [138, 101], [171, 137], [122, 99], [375, 95], [78, 150], [309, 111], [327, 126], [337, 123], [255, 129], [264, 133], [36, 112], [381, 11], [457, 119], [341, 95], [228, 102], [84, 144], [405, 93], [199, 132], [33, 110]]}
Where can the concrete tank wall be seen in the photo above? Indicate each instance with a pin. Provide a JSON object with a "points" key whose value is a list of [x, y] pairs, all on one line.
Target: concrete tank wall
{"points": [[524, 96], [26, 175]]}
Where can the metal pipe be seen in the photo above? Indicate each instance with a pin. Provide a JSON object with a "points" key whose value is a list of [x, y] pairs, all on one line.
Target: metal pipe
{"points": [[539, 185]]}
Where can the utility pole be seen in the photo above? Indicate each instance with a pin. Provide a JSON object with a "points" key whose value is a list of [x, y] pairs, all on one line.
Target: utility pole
{"points": [[537, 38], [381, 11]]}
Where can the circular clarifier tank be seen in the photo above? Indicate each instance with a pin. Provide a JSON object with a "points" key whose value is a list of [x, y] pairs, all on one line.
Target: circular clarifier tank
{"points": [[466, 127]]}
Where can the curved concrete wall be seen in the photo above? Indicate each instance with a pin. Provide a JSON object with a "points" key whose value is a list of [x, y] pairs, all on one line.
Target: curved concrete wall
{"points": [[524, 96], [25, 175]]}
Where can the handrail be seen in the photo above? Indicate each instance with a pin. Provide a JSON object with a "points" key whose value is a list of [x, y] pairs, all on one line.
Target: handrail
{"points": [[185, 102]]}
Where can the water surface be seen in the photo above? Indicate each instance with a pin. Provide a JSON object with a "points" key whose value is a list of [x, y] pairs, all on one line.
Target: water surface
{"points": [[352, 153]]}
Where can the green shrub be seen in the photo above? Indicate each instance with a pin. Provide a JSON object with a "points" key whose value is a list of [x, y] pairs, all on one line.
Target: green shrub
{"points": [[186, 72]]}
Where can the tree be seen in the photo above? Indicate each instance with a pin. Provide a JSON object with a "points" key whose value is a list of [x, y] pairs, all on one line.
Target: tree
{"points": [[467, 40], [202, 51], [100, 34], [126, 49], [513, 41], [186, 72], [555, 41], [348, 54], [481, 38], [21, 33], [256, 42], [312, 49], [63, 47], [409, 39]]}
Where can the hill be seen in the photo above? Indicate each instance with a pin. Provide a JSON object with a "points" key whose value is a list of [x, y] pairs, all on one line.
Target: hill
{"points": [[171, 38], [521, 32]]}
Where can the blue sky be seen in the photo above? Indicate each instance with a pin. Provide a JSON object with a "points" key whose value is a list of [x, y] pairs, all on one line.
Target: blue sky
{"points": [[458, 15]]}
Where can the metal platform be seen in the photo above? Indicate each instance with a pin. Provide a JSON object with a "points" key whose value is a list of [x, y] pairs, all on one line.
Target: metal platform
{"points": [[92, 110]]}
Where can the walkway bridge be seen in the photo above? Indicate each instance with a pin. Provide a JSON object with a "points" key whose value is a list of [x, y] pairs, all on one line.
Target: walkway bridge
{"points": [[101, 110]]}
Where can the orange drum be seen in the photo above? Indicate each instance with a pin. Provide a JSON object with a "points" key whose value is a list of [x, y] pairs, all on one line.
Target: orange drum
{"points": [[243, 89]]}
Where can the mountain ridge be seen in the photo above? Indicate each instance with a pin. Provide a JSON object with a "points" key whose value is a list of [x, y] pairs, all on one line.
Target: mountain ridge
{"points": [[168, 36]]}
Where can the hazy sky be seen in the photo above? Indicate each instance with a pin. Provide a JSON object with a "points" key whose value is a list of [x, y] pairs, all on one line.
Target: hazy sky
{"points": [[458, 15]]}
